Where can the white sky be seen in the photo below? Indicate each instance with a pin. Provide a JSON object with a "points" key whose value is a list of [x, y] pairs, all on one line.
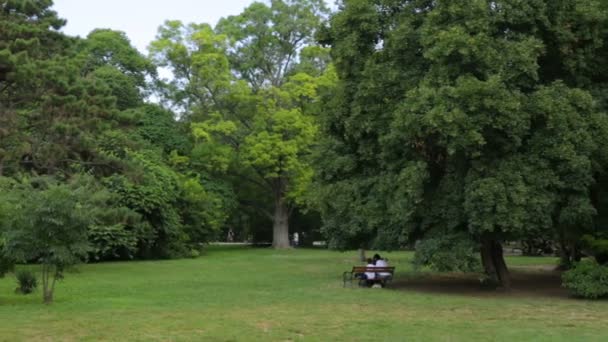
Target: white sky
{"points": [[141, 18]]}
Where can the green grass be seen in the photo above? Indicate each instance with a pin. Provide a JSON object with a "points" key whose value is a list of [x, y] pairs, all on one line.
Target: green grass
{"points": [[246, 294]]}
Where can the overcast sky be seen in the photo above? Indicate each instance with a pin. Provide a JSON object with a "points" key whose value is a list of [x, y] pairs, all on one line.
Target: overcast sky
{"points": [[141, 18]]}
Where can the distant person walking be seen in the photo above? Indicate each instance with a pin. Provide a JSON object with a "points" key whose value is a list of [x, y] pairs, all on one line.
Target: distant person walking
{"points": [[296, 239]]}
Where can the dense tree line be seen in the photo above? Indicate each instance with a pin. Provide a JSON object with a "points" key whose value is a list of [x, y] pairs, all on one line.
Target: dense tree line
{"points": [[227, 147]]}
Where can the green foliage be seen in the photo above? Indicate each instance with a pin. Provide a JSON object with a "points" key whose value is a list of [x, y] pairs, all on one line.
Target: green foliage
{"points": [[194, 253], [204, 207], [598, 246], [51, 111], [250, 107], [6, 262], [264, 40], [159, 127], [27, 282], [151, 192], [587, 280], [112, 242], [448, 253], [482, 117], [108, 56], [49, 224]]}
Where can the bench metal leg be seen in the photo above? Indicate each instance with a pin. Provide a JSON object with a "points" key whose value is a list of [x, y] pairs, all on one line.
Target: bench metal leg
{"points": [[347, 276]]}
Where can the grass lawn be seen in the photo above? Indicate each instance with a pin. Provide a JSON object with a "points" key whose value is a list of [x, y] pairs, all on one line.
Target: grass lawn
{"points": [[243, 294]]}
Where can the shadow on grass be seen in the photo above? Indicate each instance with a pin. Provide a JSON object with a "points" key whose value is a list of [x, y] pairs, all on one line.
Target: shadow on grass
{"points": [[526, 282]]}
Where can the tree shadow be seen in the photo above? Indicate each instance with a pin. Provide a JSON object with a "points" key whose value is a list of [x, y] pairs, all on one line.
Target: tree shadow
{"points": [[527, 281]]}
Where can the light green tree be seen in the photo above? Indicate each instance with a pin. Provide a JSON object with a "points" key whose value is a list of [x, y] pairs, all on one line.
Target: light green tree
{"points": [[48, 223], [252, 112]]}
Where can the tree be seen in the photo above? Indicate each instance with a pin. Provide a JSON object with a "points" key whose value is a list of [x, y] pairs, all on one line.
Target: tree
{"points": [[252, 114], [28, 35], [49, 224], [109, 56], [475, 120], [265, 42]]}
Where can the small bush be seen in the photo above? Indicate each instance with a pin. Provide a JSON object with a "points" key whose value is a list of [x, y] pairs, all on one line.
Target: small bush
{"points": [[194, 253], [587, 280], [27, 282]]}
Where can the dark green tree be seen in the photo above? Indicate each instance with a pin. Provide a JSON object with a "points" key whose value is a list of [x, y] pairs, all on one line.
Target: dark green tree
{"points": [[478, 119]]}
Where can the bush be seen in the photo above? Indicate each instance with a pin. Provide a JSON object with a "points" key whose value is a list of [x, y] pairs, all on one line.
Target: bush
{"points": [[27, 282], [448, 253], [587, 280], [194, 253], [598, 247]]}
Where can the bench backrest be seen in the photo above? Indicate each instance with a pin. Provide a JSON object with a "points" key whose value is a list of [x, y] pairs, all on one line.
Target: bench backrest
{"points": [[363, 269]]}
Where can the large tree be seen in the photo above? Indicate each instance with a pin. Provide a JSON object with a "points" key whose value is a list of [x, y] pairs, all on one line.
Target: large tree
{"points": [[250, 93], [477, 119]]}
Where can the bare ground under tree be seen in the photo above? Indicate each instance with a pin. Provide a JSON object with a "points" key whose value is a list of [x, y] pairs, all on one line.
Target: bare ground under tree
{"points": [[527, 281]]}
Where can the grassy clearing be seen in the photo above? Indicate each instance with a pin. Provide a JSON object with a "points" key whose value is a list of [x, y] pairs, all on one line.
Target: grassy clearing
{"points": [[264, 295]]}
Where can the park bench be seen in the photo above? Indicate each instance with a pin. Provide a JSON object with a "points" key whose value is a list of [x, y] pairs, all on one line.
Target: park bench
{"points": [[383, 275]]}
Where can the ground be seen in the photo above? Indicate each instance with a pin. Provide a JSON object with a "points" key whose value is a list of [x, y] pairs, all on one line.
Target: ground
{"points": [[296, 295]]}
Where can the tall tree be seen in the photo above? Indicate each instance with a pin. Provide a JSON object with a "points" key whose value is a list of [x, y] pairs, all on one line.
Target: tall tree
{"points": [[474, 120], [28, 36], [109, 56], [250, 106]]}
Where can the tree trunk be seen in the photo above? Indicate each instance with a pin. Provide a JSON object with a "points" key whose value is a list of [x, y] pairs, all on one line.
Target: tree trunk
{"points": [[500, 265], [488, 263], [47, 293], [494, 263], [48, 296], [280, 224], [362, 257]]}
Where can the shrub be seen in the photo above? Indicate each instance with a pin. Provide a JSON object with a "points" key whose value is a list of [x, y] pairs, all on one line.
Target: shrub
{"points": [[598, 247], [27, 282], [587, 279], [447, 253], [194, 253]]}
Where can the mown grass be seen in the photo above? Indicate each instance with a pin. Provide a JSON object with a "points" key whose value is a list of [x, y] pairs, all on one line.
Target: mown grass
{"points": [[248, 294]]}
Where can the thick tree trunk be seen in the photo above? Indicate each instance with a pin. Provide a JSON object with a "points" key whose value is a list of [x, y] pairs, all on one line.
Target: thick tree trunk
{"points": [[494, 263], [488, 262], [280, 224], [501, 265]]}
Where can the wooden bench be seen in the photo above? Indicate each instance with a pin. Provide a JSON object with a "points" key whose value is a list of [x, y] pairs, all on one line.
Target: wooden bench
{"points": [[383, 275]]}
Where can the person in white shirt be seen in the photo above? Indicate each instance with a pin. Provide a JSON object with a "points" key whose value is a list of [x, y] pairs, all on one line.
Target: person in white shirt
{"points": [[381, 263], [370, 275]]}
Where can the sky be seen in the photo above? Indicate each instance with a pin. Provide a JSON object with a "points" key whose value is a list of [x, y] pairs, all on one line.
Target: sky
{"points": [[140, 19]]}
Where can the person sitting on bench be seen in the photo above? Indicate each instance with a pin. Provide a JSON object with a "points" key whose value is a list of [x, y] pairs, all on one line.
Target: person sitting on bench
{"points": [[379, 262], [370, 276], [367, 276]]}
